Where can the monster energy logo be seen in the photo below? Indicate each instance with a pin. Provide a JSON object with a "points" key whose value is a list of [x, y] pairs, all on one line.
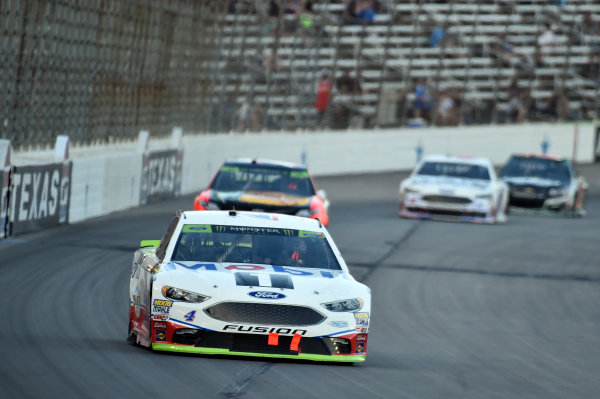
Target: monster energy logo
{"points": [[251, 230]]}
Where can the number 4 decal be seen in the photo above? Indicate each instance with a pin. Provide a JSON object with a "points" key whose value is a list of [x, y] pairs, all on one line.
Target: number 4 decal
{"points": [[190, 316]]}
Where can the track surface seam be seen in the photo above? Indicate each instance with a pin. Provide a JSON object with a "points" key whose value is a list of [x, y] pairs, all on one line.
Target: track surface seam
{"points": [[373, 266]]}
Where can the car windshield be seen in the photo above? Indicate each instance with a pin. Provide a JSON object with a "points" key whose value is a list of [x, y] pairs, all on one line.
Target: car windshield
{"points": [[256, 178], [537, 167], [453, 169], [254, 245]]}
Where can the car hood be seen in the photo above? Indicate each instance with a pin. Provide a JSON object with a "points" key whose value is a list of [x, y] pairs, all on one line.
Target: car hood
{"points": [[452, 185], [269, 198], [532, 181], [238, 280]]}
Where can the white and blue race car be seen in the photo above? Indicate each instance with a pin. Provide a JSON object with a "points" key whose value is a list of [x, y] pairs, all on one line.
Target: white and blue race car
{"points": [[454, 188], [251, 284]]}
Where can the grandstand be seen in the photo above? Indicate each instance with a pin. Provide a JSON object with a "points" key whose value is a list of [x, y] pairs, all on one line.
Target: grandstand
{"points": [[392, 53], [102, 72]]}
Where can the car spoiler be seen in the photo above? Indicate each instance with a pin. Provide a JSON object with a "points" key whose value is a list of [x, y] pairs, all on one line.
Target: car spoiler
{"points": [[150, 243]]}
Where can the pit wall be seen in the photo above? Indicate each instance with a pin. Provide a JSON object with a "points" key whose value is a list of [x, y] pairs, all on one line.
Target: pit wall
{"points": [[109, 178]]}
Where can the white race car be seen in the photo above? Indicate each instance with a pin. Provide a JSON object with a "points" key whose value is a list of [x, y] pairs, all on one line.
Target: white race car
{"points": [[454, 188], [250, 284]]}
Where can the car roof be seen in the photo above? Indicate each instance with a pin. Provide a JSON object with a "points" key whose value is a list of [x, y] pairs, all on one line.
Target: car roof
{"points": [[269, 163], [252, 219], [457, 159]]}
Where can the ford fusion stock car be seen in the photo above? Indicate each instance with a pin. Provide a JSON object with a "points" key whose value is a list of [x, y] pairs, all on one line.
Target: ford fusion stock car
{"points": [[454, 188], [251, 284], [264, 186], [544, 183]]}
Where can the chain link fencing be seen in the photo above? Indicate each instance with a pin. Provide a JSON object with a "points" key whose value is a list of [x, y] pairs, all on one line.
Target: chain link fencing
{"points": [[102, 70]]}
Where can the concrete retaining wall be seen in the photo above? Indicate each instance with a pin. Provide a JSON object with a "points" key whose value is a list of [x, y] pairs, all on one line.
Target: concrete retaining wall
{"points": [[107, 178]]}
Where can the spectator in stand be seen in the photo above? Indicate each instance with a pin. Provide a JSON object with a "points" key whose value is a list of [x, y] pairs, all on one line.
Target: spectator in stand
{"points": [[423, 104], [507, 6], [365, 13], [502, 50], [557, 107], [270, 14], [452, 46], [273, 9], [465, 109], [438, 36], [248, 118], [548, 37], [524, 66], [350, 16], [346, 84], [528, 102], [538, 57], [271, 62], [446, 112], [590, 31], [226, 114], [516, 111], [307, 16], [294, 7], [324, 94], [592, 69], [292, 15], [271, 67], [401, 105], [588, 25], [513, 89], [311, 21], [241, 7]]}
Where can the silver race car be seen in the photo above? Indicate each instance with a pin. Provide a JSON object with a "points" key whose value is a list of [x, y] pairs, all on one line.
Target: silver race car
{"points": [[454, 188]]}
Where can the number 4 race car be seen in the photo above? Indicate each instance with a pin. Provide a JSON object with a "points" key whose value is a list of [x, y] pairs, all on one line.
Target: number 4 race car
{"points": [[250, 284]]}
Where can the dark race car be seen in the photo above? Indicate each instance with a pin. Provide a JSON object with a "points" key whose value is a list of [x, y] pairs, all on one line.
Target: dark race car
{"points": [[264, 186], [544, 183]]}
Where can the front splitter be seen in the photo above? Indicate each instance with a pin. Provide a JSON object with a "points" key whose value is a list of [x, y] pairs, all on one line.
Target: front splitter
{"points": [[227, 352]]}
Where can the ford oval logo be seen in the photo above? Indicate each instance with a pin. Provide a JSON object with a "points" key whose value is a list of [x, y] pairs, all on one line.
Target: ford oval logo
{"points": [[266, 295]]}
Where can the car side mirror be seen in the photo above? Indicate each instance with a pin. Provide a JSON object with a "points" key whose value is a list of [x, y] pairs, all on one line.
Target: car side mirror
{"points": [[321, 193]]}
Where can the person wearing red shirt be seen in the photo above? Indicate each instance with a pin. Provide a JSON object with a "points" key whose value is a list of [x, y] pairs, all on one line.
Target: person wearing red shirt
{"points": [[323, 95]]}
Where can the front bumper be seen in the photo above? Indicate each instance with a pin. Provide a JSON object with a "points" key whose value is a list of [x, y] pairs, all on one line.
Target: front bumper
{"points": [[414, 207], [544, 205], [262, 329], [292, 344]]}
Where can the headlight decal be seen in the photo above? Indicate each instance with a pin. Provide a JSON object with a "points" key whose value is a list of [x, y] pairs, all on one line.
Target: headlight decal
{"points": [[409, 190], [177, 294], [345, 305], [558, 192]]}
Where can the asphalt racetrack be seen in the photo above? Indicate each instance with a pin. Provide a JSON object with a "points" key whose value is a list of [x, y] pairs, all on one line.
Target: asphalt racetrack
{"points": [[460, 310]]}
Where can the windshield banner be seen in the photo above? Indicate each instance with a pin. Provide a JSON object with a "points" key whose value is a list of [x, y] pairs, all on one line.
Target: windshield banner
{"points": [[39, 196]]}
